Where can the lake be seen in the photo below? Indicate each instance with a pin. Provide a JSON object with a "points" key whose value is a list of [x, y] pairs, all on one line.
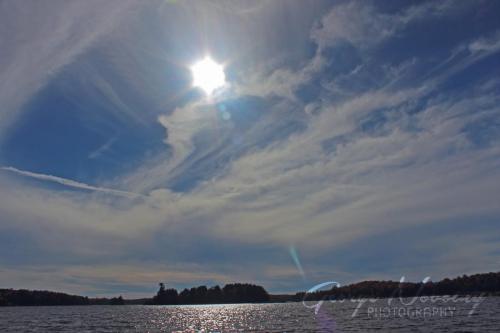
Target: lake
{"points": [[435, 316]]}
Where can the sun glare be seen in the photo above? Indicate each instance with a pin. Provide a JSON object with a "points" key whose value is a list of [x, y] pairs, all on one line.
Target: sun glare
{"points": [[208, 75]]}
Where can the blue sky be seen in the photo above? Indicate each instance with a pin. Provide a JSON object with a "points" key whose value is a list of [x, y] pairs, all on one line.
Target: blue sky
{"points": [[362, 137]]}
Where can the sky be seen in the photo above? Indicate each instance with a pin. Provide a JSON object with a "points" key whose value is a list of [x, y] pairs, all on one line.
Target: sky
{"points": [[352, 140]]}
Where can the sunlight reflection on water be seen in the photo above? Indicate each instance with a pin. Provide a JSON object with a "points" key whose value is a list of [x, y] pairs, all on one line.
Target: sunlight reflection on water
{"points": [[290, 317]]}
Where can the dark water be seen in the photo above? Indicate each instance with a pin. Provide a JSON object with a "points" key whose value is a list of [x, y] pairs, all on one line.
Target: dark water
{"points": [[436, 316]]}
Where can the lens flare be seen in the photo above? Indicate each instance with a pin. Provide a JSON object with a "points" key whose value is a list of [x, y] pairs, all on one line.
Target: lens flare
{"points": [[296, 260]]}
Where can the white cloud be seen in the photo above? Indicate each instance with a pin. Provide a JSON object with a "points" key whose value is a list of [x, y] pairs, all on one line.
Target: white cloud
{"points": [[364, 25], [38, 39], [358, 23], [328, 185]]}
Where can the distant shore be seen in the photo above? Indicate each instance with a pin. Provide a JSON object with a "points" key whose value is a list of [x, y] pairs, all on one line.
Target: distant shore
{"points": [[484, 284]]}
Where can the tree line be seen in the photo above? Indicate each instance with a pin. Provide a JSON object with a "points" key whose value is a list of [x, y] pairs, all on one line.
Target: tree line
{"points": [[487, 284], [37, 297], [231, 293], [24, 297]]}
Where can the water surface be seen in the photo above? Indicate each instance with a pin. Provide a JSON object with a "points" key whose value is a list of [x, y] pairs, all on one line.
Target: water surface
{"points": [[290, 317]]}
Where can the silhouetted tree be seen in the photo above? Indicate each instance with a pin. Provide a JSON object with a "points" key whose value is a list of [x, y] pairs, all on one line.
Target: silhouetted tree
{"points": [[244, 293], [165, 296], [185, 297], [214, 295], [117, 301], [201, 294]]}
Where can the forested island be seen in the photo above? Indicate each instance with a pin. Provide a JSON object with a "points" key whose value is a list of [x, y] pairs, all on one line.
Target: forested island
{"points": [[487, 284], [231, 293], [484, 284]]}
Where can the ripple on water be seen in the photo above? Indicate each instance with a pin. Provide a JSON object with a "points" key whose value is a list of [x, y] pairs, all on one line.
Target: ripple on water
{"points": [[290, 317]]}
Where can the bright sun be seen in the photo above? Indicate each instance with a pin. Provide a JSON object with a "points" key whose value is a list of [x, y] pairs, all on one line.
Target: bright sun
{"points": [[208, 75]]}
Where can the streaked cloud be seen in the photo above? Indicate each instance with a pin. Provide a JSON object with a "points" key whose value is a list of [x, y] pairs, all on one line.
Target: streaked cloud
{"points": [[69, 182], [338, 139], [36, 43]]}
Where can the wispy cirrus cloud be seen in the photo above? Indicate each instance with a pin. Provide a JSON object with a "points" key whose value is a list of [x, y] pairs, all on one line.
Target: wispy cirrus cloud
{"points": [[37, 40], [348, 142]]}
